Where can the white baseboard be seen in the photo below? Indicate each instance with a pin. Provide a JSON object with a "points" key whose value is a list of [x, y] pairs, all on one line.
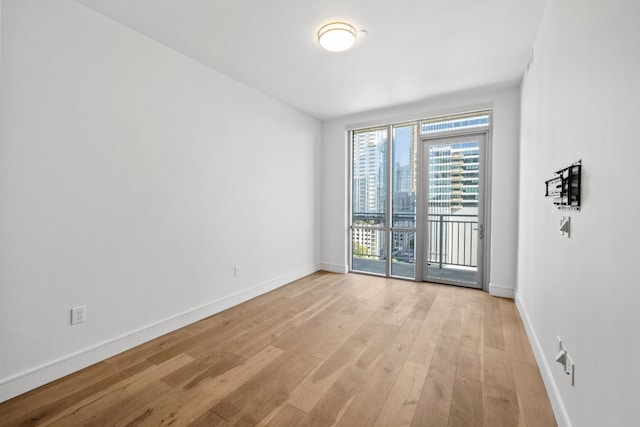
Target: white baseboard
{"points": [[501, 291], [559, 410], [50, 371], [335, 268]]}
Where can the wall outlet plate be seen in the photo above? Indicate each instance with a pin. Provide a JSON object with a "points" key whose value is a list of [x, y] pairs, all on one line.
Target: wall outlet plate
{"points": [[570, 369], [78, 315], [565, 226]]}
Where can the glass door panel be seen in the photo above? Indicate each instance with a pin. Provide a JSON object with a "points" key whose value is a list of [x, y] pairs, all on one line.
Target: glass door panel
{"points": [[454, 210], [404, 162], [403, 176], [369, 201], [403, 259]]}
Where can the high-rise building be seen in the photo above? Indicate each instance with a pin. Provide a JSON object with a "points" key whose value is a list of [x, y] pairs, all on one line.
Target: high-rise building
{"points": [[453, 177], [368, 192], [369, 174], [404, 175]]}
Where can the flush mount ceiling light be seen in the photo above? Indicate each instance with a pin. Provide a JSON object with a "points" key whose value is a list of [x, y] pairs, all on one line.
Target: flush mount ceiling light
{"points": [[337, 36]]}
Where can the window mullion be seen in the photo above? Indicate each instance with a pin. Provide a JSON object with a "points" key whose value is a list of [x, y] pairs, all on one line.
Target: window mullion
{"points": [[389, 197]]}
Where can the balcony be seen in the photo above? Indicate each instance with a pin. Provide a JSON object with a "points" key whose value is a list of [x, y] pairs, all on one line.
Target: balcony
{"points": [[451, 252]]}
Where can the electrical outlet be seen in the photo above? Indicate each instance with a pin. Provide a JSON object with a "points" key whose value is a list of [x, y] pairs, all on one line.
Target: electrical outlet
{"points": [[78, 315], [236, 270]]}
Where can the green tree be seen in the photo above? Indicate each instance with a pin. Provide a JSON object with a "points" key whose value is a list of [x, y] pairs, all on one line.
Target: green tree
{"points": [[360, 250]]}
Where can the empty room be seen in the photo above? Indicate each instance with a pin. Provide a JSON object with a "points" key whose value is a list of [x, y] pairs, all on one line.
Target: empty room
{"points": [[296, 213]]}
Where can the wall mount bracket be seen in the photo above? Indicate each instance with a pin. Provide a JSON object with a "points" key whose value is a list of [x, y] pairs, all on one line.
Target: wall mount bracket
{"points": [[565, 187]]}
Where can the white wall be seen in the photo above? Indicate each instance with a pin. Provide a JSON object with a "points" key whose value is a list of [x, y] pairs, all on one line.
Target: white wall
{"points": [[504, 198], [132, 180], [581, 100]]}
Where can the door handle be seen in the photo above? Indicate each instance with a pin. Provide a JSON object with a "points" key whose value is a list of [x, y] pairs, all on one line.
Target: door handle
{"points": [[480, 231]]}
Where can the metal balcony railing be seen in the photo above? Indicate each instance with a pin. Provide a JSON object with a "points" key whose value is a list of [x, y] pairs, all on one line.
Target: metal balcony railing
{"points": [[453, 240]]}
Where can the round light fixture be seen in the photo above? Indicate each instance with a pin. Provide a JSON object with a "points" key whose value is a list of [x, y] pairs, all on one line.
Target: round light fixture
{"points": [[337, 36]]}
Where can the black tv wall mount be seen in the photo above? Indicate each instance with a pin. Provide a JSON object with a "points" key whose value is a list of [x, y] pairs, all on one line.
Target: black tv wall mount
{"points": [[564, 187]]}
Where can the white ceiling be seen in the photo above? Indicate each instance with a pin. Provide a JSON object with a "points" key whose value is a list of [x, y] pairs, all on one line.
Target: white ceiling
{"points": [[413, 49]]}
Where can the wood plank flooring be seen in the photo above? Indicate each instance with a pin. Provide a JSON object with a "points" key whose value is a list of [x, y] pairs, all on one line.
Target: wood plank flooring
{"points": [[328, 349]]}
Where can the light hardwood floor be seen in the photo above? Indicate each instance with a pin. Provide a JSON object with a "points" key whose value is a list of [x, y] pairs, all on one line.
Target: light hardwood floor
{"points": [[328, 349]]}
